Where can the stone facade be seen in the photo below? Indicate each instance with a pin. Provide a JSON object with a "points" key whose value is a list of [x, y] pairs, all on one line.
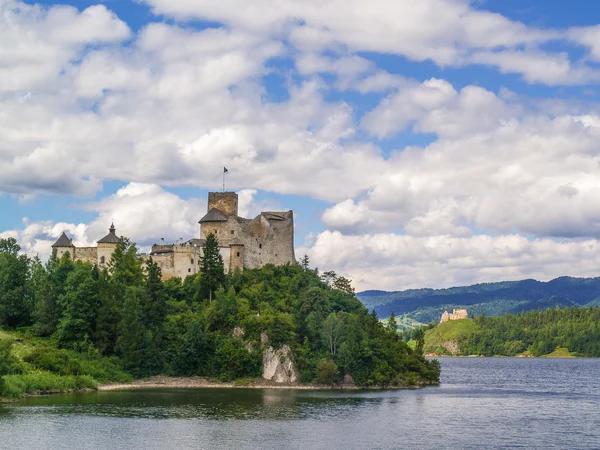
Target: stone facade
{"points": [[95, 255], [457, 314], [243, 243]]}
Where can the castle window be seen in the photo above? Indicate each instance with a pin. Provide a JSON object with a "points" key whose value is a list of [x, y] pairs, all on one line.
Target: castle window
{"points": [[259, 245], [191, 261], [189, 270], [232, 232], [238, 253], [102, 260]]}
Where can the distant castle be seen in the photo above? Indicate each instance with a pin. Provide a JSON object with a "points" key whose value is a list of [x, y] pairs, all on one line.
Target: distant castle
{"points": [[457, 314], [243, 243]]}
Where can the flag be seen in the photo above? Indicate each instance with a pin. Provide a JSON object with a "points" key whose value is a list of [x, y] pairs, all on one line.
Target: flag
{"points": [[225, 170]]}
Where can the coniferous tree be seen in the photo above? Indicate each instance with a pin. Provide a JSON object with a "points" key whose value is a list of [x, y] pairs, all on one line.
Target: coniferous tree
{"points": [[108, 315], [130, 331], [80, 305], [212, 268], [154, 302], [15, 305], [125, 267]]}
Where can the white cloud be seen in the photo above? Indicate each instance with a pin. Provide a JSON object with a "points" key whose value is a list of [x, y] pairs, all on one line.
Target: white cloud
{"points": [[82, 100], [143, 212], [391, 261], [37, 42]]}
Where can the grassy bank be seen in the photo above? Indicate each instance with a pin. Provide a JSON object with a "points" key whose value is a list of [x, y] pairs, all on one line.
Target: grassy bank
{"points": [[30, 365]]}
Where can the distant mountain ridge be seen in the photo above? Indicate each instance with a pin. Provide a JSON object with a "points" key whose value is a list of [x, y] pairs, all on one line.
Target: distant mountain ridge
{"points": [[492, 299]]}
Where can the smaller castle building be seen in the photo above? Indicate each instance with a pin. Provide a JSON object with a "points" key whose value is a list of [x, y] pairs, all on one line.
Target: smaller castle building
{"points": [[456, 314], [99, 255], [243, 243]]}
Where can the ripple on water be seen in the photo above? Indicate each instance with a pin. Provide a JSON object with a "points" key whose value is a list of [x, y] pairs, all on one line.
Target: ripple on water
{"points": [[482, 403]]}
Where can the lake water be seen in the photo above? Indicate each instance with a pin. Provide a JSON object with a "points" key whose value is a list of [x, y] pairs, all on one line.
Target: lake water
{"points": [[482, 403]]}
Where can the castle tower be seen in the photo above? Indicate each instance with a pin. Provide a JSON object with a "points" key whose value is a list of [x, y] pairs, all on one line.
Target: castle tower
{"points": [[221, 206], [236, 260], [106, 246], [226, 202], [64, 245]]}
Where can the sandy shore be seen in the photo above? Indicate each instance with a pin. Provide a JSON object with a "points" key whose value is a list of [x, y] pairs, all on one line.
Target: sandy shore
{"points": [[161, 381]]}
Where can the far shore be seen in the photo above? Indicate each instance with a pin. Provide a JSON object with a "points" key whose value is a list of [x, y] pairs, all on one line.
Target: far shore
{"points": [[431, 355]]}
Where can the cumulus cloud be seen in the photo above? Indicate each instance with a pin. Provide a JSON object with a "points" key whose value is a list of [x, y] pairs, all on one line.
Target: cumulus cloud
{"points": [[392, 261], [143, 212], [83, 100]]}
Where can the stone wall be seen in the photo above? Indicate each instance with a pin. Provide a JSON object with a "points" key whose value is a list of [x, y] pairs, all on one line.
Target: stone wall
{"points": [[104, 253], [87, 254], [181, 260], [457, 314], [226, 202]]}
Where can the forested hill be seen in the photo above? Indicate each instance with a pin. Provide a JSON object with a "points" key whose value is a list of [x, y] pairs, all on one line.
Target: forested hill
{"points": [[73, 319], [488, 298]]}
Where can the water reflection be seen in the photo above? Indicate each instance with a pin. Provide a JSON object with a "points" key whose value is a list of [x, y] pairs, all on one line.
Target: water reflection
{"points": [[218, 404], [483, 403]]}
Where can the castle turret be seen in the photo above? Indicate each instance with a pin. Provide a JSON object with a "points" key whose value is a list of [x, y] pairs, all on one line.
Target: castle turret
{"points": [[106, 246], [64, 245]]}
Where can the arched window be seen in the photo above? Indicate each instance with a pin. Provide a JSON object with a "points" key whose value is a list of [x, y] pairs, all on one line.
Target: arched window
{"points": [[102, 260]]}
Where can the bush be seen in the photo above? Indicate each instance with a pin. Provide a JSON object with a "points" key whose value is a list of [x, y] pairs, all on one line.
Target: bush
{"points": [[16, 386], [327, 372]]}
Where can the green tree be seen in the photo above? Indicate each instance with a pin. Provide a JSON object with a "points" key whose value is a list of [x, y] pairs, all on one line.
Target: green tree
{"points": [[420, 341], [125, 267], [197, 351], [154, 301], [392, 325], [212, 268], [80, 306], [9, 246], [108, 317], [327, 372], [16, 305], [332, 332], [344, 284], [130, 331]]}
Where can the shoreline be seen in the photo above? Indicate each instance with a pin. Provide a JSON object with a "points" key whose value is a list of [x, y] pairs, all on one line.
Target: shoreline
{"points": [[165, 382]]}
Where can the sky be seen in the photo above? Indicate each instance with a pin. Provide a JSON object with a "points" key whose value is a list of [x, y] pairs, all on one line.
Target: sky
{"points": [[420, 143]]}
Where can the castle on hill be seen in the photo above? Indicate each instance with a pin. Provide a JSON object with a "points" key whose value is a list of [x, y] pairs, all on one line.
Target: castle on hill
{"points": [[243, 243], [456, 314]]}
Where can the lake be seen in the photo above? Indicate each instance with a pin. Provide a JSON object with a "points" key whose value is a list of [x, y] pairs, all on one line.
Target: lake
{"points": [[482, 403]]}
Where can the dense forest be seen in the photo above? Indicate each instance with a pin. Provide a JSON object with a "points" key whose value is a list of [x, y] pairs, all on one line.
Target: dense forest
{"points": [[531, 333], [491, 299], [126, 321]]}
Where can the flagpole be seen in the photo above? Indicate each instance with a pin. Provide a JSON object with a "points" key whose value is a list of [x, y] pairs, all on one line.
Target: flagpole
{"points": [[223, 180]]}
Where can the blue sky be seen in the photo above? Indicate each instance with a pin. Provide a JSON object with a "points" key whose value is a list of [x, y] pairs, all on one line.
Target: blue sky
{"points": [[428, 143]]}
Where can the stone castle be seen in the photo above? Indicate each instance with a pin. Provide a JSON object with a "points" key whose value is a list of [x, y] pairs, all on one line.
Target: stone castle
{"points": [[456, 314], [243, 243]]}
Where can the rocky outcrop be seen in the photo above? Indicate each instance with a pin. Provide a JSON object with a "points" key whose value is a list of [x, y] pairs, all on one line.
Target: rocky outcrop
{"points": [[278, 365], [452, 346]]}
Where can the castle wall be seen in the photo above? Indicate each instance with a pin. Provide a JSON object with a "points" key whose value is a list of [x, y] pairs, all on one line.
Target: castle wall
{"points": [[226, 202], [269, 241], [104, 253], [86, 254], [181, 260], [236, 259], [60, 251]]}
